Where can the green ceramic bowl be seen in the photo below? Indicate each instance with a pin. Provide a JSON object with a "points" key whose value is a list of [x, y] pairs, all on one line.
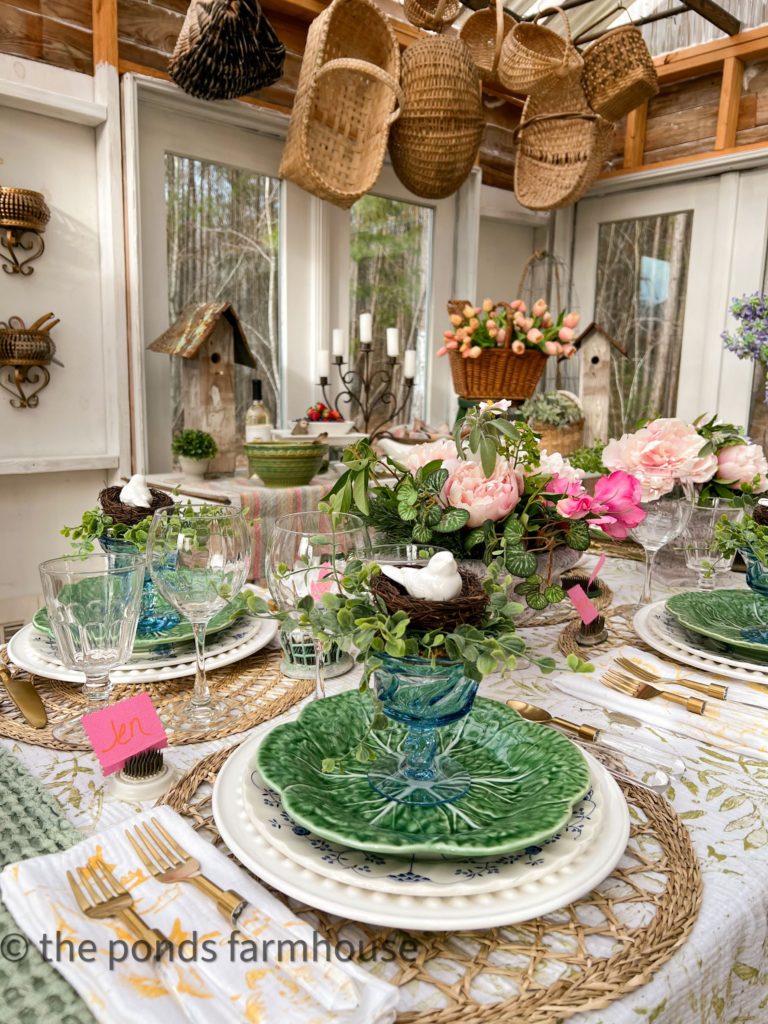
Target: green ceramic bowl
{"points": [[285, 463]]}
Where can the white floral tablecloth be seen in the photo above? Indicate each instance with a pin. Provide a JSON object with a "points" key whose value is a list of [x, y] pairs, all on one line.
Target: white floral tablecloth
{"points": [[720, 976]]}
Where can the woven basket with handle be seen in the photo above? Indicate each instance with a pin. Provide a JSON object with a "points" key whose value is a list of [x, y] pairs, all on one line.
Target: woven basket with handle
{"points": [[345, 103], [561, 148], [619, 73], [433, 15], [434, 143], [484, 33], [534, 58], [560, 439]]}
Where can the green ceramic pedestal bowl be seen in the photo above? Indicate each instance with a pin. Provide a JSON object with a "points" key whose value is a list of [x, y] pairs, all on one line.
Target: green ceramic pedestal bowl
{"points": [[285, 463]]}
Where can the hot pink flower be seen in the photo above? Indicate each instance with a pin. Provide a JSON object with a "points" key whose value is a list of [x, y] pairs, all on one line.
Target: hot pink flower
{"points": [[658, 455], [615, 507], [576, 506], [741, 465], [483, 497]]}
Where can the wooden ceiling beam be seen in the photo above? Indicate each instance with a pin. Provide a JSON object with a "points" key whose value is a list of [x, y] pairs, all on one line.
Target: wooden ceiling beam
{"points": [[708, 58], [715, 14]]}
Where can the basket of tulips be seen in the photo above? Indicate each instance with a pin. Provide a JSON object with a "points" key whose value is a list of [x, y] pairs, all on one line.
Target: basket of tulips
{"points": [[499, 349]]}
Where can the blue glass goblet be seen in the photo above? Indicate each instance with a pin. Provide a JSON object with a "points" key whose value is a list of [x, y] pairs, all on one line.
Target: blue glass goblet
{"points": [[423, 695]]}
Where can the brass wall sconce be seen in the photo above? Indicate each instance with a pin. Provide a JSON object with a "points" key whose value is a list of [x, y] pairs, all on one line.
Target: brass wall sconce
{"points": [[25, 355], [23, 217]]}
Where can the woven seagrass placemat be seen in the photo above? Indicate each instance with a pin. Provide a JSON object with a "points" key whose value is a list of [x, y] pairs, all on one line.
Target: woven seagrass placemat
{"points": [[580, 958], [618, 622], [258, 685]]}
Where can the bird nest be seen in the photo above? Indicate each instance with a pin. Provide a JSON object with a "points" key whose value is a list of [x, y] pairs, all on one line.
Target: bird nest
{"points": [[109, 499], [466, 609]]}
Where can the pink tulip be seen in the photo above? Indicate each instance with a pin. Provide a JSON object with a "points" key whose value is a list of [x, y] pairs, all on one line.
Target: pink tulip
{"points": [[516, 304], [572, 320], [474, 323], [566, 334], [455, 319], [483, 497], [534, 335], [448, 335], [569, 350], [442, 351], [522, 307], [546, 320], [518, 347], [490, 324], [452, 345], [550, 347], [465, 352], [460, 334], [539, 307], [487, 305], [475, 352], [468, 311], [469, 331], [501, 336]]}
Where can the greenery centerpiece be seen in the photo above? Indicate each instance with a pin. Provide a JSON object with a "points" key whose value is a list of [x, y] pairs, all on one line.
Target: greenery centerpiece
{"points": [[194, 449], [488, 493], [749, 537]]}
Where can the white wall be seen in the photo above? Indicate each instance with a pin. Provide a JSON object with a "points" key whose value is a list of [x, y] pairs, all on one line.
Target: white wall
{"points": [[503, 250]]}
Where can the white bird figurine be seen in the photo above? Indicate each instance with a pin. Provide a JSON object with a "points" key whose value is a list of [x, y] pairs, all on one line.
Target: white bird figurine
{"points": [[136, 493], [439, 580]]}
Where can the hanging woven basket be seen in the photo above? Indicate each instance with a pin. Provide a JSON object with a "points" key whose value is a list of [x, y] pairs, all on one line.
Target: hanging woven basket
{"points": [[226, 49], [534, 58], [497, 373], [345, 103], [619, 73], [484, 33], [435, 142], [433, 15]]}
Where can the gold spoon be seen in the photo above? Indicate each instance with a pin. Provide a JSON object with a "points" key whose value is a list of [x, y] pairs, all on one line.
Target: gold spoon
{"points": [[534, 714]]}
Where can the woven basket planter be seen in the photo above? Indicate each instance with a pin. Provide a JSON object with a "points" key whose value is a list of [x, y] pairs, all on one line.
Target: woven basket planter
{"points": [[560, 439], [484, 33], [468, 608], [23, 208], [619, 73], [497, 373], [434, 143], [345, 103], [534, 58], [433, 15]]}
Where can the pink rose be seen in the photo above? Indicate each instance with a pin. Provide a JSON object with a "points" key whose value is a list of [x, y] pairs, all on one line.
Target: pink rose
{"points": [[421, 454], [483, 497], [658, 455], [743, 465]]}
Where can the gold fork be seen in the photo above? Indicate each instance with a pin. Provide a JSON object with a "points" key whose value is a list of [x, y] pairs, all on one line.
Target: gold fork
{"points": [[713, 690], [644, 691], [100, 895], [166, 861]]}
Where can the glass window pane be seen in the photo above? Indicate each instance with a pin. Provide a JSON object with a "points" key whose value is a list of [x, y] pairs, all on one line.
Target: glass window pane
{"points": [[223, 247], [758, 415], [391, 256], [642, 278]]}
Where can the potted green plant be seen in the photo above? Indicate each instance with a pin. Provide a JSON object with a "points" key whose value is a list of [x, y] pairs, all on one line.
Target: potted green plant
{"points": [[557, 417], [194, 449]]}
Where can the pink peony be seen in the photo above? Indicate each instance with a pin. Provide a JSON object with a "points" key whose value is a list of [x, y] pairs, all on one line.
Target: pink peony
{"points": [[562, 473], [658, 455], [615, 507], [743, 465], [483, 497], [421, 454]]}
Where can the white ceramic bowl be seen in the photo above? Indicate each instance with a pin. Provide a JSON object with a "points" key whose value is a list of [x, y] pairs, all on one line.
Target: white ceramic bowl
{"points": [[333, 428]]}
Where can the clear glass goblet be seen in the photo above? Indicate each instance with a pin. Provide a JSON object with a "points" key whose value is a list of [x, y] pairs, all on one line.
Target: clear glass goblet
{"points": [[306, 556], [199, 559], [93, 604], [665, 518], [701, 551]]}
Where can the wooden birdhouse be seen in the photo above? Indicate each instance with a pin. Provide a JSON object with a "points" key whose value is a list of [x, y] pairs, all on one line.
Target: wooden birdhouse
{"points": [[209, 339], [596, 347]]}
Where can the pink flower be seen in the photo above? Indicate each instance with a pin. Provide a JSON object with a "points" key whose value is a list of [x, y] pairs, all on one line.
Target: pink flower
{"points": [[551, 348], [572, 320], [703, 468], [615, 507], [448, 335], [455, 319], [576, 507], [562, 472], [475, 352], [421, 454], [322, 581], [516, 304], [539, 307], [534, 335], [501, 336], [484, 497], [442, 351], [569, 350], [518, 347], [566, 334], [743, 465], [546, 320], [490, 323], [487, 305], [658, 455]]}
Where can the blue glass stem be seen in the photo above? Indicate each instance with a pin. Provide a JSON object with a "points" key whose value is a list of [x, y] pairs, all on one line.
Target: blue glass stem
{"points": [[420, 749]]}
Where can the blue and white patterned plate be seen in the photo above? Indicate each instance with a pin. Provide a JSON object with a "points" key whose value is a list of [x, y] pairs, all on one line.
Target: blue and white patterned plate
{"points": [[418, 877]]}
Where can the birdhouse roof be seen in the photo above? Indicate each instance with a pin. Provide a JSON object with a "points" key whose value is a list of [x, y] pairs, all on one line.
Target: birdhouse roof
{"points": [[194, 327], [595, 328]]}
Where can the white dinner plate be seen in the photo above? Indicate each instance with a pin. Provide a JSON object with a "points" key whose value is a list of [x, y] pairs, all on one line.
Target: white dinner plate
{"points": [[653, 626], [22, 650], [510, 905], [333, 440]]}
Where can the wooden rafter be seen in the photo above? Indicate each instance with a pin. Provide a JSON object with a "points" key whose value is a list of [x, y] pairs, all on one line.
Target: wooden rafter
{"points": [[715, 14]]}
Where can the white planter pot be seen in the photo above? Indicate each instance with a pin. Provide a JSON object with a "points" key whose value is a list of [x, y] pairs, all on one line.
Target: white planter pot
{"points": [[193, 467]]}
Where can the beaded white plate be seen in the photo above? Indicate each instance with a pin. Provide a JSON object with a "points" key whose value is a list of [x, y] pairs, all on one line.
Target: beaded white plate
{"points": [[539, 894]]}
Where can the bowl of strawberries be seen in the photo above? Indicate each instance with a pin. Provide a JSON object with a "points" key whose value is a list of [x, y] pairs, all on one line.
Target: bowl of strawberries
{"points": [[321, 419]]}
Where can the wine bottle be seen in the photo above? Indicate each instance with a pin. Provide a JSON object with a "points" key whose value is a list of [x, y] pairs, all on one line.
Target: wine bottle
{"points": [[257, 425]]}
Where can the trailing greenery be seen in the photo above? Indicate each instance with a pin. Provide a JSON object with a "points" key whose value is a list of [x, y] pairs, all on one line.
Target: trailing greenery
{"points": [[744, 535], [552, 408], [194, 444], [589, 459]]}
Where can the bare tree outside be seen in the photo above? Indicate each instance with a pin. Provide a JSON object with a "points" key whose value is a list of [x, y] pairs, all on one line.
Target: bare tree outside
{"points": [[223, 247]]}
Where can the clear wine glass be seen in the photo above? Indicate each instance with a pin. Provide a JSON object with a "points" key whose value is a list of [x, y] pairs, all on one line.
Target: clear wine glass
{"points": [[666, 517], [93, 604], [306, 556], [199, 559], [701, 551]]}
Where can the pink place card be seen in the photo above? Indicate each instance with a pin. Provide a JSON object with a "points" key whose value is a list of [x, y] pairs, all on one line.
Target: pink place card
{"points": [[123, 729], [586, 608], [596, 570]]}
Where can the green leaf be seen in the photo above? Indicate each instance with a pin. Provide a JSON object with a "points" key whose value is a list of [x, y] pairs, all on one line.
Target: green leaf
{"points": [[328, 765], [537, 601], [522, 563], [422, 533], [407, 512], [486, 664], [577, 537], [360, 491], [554, 594], [488, 455], [473, 538], [436, 481], [433, 515], [453, 519], [513, 532]]}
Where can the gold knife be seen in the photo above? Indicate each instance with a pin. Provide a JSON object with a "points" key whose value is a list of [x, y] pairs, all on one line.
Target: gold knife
{"points": [[22, 692]]}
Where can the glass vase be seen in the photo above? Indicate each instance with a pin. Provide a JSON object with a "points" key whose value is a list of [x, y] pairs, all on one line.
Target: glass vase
{"points": [[423, 695], [156, 615]]}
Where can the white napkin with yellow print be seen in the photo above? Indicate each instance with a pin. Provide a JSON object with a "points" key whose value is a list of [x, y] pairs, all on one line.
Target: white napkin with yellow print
{"points": [[214, 974]]}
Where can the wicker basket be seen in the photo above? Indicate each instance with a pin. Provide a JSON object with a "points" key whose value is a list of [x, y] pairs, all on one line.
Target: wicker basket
{"points": [[25, 348], [433, 15], [497, 373], [561, 148], [345, 103], [484, 33], [434, 144], [534, 58], [560, 439], [619, 73], [22, 208], [130, 515]]}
